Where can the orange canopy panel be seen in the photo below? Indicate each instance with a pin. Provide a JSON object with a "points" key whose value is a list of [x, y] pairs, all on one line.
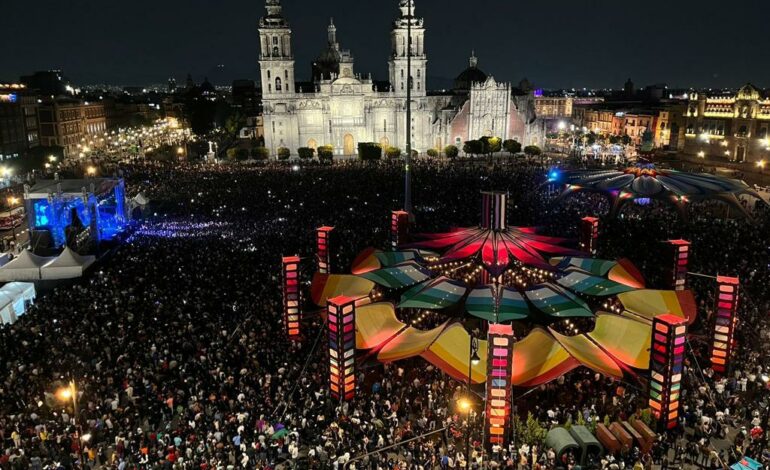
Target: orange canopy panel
{"points": [[326, 286], [376, 324], [451, 353], [409, 343], [538, 359], [589, 354], [648, 303], [625, 339], [626, 273], [366, 261]]}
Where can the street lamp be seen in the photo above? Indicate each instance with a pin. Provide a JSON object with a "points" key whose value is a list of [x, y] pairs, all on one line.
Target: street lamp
{"points": [[91, 170], [65, 394]]}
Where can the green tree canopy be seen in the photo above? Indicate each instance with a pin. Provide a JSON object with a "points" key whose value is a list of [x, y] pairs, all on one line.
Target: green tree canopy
{"points": [[511, 146], [451, 151]]}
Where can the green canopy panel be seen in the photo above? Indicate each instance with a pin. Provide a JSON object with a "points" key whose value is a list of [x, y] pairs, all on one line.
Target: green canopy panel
{"points": [[483, 303], [399, 276], [392, 258], [557, 302], [597, 267], [582, 283], [437, 294]]}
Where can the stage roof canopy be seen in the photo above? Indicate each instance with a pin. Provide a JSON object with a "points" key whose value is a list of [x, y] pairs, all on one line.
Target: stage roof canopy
{"points": [[71, 187]]}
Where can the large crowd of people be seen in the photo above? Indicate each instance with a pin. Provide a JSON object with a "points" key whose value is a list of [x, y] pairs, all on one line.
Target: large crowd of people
{"points": [[174, 341]]}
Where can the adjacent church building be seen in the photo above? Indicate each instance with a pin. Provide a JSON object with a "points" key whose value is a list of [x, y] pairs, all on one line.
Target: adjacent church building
{"points": [[342, 108]]}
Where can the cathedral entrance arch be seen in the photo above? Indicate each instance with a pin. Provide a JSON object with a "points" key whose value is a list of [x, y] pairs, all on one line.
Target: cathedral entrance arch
{"points": [[312, 144], [348, 145]]}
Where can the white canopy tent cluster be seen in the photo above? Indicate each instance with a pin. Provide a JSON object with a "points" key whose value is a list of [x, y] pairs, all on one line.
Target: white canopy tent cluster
{"points": [[15, 298], [31, 267]]}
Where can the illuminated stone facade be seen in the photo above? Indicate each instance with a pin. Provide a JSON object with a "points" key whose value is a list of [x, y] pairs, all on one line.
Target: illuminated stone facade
{"points": [[734, 127], [342, 108]]}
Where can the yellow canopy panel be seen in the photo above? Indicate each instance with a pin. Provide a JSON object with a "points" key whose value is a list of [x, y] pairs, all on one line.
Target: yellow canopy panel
{"points": [[409, 343], [589, 354], [366, 261], [538, 359], [626, 273], [376, 324], [648, 303], [625, 339], [451, 353], [327, 286]]}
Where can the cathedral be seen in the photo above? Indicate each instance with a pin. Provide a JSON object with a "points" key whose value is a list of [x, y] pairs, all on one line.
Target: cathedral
{"points": [[342, 108]]}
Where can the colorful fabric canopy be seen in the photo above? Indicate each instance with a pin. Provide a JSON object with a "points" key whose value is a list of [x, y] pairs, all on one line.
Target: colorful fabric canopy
{"points": [[625, 339], [647, 303], [376, 324], [399, 276], [366, 261], [597, 267], [409, 343], [557, 302], [392, 258], [538, 358], [496, 249], [624, 272], [645, 181], [451, 352], [483, 303], [327, 286], [583, 283], [436, 294], [589, 354]]}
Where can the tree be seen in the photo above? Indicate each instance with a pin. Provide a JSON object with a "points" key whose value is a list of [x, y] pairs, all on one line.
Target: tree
{"points": [[306, 153], [393, 152], [234, 123], [241, 154], [432, 153], [533, 151], [626, 139], [473, 147], [283, 153], [451, 151], [511, 146], [614, 139], [326, 153], [495, 144], [260, 153], [368, 151]]}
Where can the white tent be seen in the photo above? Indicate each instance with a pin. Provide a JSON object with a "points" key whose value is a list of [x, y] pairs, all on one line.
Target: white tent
{"points": [[15, 297], [25, 267], [7, 312], [141, 199], [67, 265]]}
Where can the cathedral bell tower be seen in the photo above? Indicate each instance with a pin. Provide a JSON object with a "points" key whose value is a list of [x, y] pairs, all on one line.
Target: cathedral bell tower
{"points": [[398, 58], [276, 60]]}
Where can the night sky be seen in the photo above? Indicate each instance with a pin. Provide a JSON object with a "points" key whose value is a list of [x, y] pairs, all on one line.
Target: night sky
{"points": [[557, 43]]}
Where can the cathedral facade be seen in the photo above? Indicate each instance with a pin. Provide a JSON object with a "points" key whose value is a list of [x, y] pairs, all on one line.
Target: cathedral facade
{"points": [[342, 108]]}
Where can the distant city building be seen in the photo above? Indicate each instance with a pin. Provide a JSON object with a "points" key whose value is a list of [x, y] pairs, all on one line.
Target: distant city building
{"points": [[48, 83], [69, 123], [733, 127], [18, 120], [626, 119], [341, 108], [554, 107]]}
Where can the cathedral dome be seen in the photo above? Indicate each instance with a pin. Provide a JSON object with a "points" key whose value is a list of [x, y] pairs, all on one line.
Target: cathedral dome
{"points": [[473, 74]]}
